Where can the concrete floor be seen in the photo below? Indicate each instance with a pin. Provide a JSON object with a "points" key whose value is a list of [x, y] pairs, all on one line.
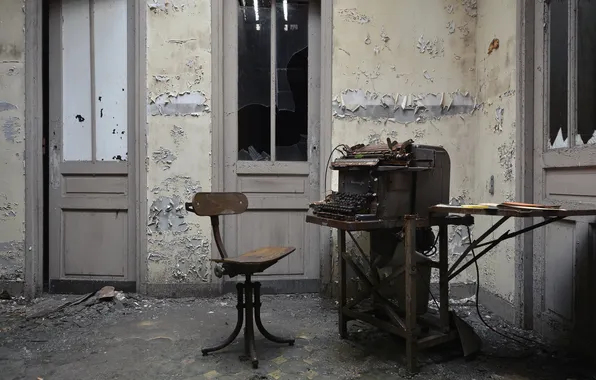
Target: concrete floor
{"points": [[144, 338]]}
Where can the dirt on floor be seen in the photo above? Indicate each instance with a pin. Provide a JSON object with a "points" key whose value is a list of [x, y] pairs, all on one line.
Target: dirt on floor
{"points": [[127, 336]]}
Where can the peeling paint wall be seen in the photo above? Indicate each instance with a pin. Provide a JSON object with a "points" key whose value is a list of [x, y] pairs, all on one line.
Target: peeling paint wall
{"points": [[409, 71], [440, 74], [178, 139], [12, 145], [495, 134]]}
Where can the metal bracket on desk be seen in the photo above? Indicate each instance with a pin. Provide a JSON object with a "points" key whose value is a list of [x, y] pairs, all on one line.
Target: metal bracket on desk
{"points": [[477, 243]]}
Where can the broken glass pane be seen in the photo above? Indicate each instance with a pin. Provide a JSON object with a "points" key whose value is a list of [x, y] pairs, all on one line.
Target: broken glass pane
{"points": [[586, 73], [558, 75], [254, 80], [291, 95]]}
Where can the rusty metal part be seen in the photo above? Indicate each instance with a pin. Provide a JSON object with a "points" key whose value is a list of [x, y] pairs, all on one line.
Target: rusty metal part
{"points": [[386, 315], [219, 271], [249, 308], [343, 205], [256, 261], [215, 204], [348, 162]]}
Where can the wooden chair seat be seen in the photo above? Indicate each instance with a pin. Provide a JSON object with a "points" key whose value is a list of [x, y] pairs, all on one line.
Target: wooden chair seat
{"points": [[261, 256]]}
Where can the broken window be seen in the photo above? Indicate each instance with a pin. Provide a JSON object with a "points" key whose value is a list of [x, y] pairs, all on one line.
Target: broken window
{"points": [[572, 73], [586, 73], [558, 75], [272, 80]]}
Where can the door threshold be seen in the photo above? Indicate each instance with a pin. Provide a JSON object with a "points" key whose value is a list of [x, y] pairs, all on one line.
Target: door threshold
{"points": [[89, 286]]}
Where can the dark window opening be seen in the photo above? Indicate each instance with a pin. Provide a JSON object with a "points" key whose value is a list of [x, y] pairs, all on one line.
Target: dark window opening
{"points": [[255, 80], [586, 73], [558, 75]]}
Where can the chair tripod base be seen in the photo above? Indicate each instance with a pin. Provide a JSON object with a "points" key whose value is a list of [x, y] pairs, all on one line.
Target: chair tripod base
{"points": [[249, 309]]}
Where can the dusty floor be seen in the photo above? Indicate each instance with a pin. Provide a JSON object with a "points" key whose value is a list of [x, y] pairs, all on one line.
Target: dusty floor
{"points": [[144, 338]]}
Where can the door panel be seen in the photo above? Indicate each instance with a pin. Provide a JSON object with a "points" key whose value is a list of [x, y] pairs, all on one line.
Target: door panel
{"points": [[271, 128], [564, 169], [91, 232]]}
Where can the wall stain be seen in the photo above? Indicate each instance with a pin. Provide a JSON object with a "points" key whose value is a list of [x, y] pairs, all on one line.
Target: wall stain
{"points": [[11, 260], [506, 159], [4, 106], [352, 15], [12, 129]]}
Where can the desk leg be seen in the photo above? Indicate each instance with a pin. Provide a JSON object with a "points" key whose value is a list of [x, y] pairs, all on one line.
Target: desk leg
{"points": [[343, 323], [443, 278], [411, 330]]}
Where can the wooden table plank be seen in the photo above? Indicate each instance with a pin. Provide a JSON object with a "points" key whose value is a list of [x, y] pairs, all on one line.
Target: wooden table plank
{"points": [[521, 213]]}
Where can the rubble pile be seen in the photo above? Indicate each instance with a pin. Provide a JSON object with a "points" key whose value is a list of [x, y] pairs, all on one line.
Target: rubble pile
{"points": [[69, 311]]}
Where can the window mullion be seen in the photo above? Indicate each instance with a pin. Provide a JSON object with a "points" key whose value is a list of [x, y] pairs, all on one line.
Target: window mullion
{"points": [[273, 77], [572, 72]]}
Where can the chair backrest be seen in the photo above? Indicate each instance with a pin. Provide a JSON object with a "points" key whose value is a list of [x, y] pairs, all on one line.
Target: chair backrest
{"points": [[215, 204]]}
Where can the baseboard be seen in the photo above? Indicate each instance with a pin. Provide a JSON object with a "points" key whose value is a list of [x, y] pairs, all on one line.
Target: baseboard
{"points": [[497, 305], [205, 290], [198, 290], [14, 288], [491, 301], [281, 286], [89, 286]]}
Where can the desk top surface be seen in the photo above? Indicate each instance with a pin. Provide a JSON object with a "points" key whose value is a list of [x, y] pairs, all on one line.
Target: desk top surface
{"points": [[511, 212], [371, 225]]}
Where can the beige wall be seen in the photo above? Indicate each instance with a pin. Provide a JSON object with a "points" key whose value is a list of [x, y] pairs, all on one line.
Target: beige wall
{"points": [[12, 145], [380, 52], [494, 139], [411, 50], [429, 51], [178, 139]]}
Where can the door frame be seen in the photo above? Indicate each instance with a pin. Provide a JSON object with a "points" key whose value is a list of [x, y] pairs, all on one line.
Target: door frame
{"points": [[34, 242], [326, 118], [524, 160]]}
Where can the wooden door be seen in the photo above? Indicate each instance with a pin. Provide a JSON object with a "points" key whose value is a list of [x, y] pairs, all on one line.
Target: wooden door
{"points": [[91, 140], [565, 166], [271, 127]]}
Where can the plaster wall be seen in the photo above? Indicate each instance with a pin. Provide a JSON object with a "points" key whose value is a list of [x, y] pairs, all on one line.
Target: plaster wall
{"points": [[388, 60], [495, 136], [178, 159], [12, 145], [412, 51]]}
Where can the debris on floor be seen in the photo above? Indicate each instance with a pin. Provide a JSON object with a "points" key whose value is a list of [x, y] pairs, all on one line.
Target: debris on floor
{"points": [[110, 334]]}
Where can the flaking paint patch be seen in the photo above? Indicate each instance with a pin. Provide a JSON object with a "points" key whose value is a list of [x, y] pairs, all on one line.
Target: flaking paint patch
{"points": [[12, 260], [4, 106], [177, 134], [178, 185], [12, 129], [7, 211], [499, 113], [164, 6], [167, 214], [434, 48], [164, 158], [352, 15], [188, 103], [401, 108], [470, 7], [183, 259], [506, 159]]}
